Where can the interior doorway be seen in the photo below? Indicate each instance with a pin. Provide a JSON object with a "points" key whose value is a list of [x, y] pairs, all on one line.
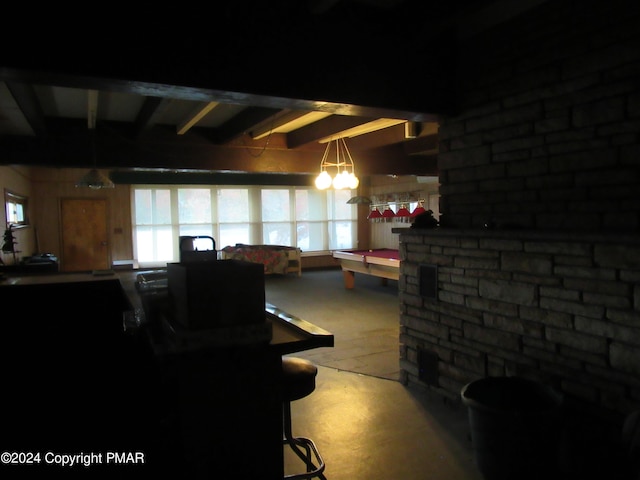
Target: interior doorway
{"points": [[85, 245]]}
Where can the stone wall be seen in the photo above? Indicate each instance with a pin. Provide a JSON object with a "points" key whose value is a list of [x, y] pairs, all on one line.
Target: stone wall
{"points": [[556, 307], [548, 130], [538, 252]]}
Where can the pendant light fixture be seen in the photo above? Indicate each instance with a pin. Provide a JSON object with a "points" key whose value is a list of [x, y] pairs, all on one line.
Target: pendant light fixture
{"points": [[93, 178], [419, 209], [358, 199], [403, 213], [345, 176], [388, 214], [375, 215]]}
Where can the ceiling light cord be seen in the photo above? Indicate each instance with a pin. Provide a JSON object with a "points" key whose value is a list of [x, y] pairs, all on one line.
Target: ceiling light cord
{"points": [[93, 178], [264, 148]]}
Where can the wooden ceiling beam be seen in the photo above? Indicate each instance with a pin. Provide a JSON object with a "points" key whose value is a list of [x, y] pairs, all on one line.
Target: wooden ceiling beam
{"points": [[152, 109], [285, 121], [364, 128], [27, 100], [322, 129], [427, 144], [70, 149], [195, 116], [242, 123], [203, 94]]}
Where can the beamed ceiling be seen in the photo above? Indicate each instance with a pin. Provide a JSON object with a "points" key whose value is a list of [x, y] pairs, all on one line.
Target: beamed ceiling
{"points": [[239, 87]]}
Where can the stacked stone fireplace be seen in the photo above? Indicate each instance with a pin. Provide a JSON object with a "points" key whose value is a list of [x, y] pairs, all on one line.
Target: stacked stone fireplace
{"points": [[556, 307], [537, 257]]}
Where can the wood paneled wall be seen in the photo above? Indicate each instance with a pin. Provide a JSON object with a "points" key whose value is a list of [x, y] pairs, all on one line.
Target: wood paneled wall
{"points": [[46, 186]]}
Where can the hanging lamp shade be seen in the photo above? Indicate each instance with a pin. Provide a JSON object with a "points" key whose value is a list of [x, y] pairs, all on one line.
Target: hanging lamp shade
{"points": [[374, 214], [419, 209], [403, 213], [388, 214], [95, 180], [359, 200]]}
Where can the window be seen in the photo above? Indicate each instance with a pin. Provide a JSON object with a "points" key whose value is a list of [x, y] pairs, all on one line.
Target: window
{"points": [[308, 218], [153, 239], [276, 217], [15, 209], [234, 217]]}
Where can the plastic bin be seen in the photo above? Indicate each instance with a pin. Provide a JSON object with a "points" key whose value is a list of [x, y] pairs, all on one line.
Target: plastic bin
{"points": [[515, 427]]}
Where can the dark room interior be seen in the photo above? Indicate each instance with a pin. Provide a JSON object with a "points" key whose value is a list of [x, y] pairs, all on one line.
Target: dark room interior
{"points": [[526, 114]]}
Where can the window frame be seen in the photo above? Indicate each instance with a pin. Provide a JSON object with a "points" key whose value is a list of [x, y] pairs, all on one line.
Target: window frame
{"points": [[255, 223], [12, 198]]}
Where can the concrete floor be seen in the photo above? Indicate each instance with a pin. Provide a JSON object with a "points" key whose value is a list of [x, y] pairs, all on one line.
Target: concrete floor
{"points": [[365, 423], [365, 320], [373, 428]]}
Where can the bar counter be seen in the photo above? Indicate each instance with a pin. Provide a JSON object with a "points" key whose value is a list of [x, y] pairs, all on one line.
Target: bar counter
{"points": [[82, 376]]}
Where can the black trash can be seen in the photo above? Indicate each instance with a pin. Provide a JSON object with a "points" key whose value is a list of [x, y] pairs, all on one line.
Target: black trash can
{"points": [[515, 427]]}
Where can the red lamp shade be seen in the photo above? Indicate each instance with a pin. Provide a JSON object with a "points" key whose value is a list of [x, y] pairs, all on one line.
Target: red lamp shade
{"points": [[403, 212], [418, 210], [374, 214], [388, 214]]}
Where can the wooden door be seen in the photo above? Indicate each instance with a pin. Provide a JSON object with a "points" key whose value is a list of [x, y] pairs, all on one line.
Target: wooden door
{"points": [[84, 235]]}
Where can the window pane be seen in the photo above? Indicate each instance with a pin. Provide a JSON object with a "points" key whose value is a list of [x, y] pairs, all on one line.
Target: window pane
{"points": [[154, 244], [302, 235], [152, 207], [162, 207], [233, 205], [194, 205], [276, 233], [12, 214], [231, 234], [341, 209], [311, 205], [19, 213], [143, 207], [342, 235], [323, 219], [144, 244], [275, 206], [15, 208], [164, 244], [311, 236]]}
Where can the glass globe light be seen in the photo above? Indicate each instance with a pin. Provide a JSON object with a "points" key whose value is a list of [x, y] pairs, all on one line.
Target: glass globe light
{"points": [[338, 182], [323, 181], [353, 181]]}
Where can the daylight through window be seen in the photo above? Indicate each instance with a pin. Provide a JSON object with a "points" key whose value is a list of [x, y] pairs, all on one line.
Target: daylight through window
{"points": [[15, 209], [301, 217]]}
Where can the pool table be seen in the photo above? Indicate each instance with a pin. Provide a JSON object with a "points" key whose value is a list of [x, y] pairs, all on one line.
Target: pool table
{"points": [[380, 262]]}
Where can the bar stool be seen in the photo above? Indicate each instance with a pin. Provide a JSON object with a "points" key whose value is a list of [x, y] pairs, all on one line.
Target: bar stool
{"points": [[298, 381]]}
